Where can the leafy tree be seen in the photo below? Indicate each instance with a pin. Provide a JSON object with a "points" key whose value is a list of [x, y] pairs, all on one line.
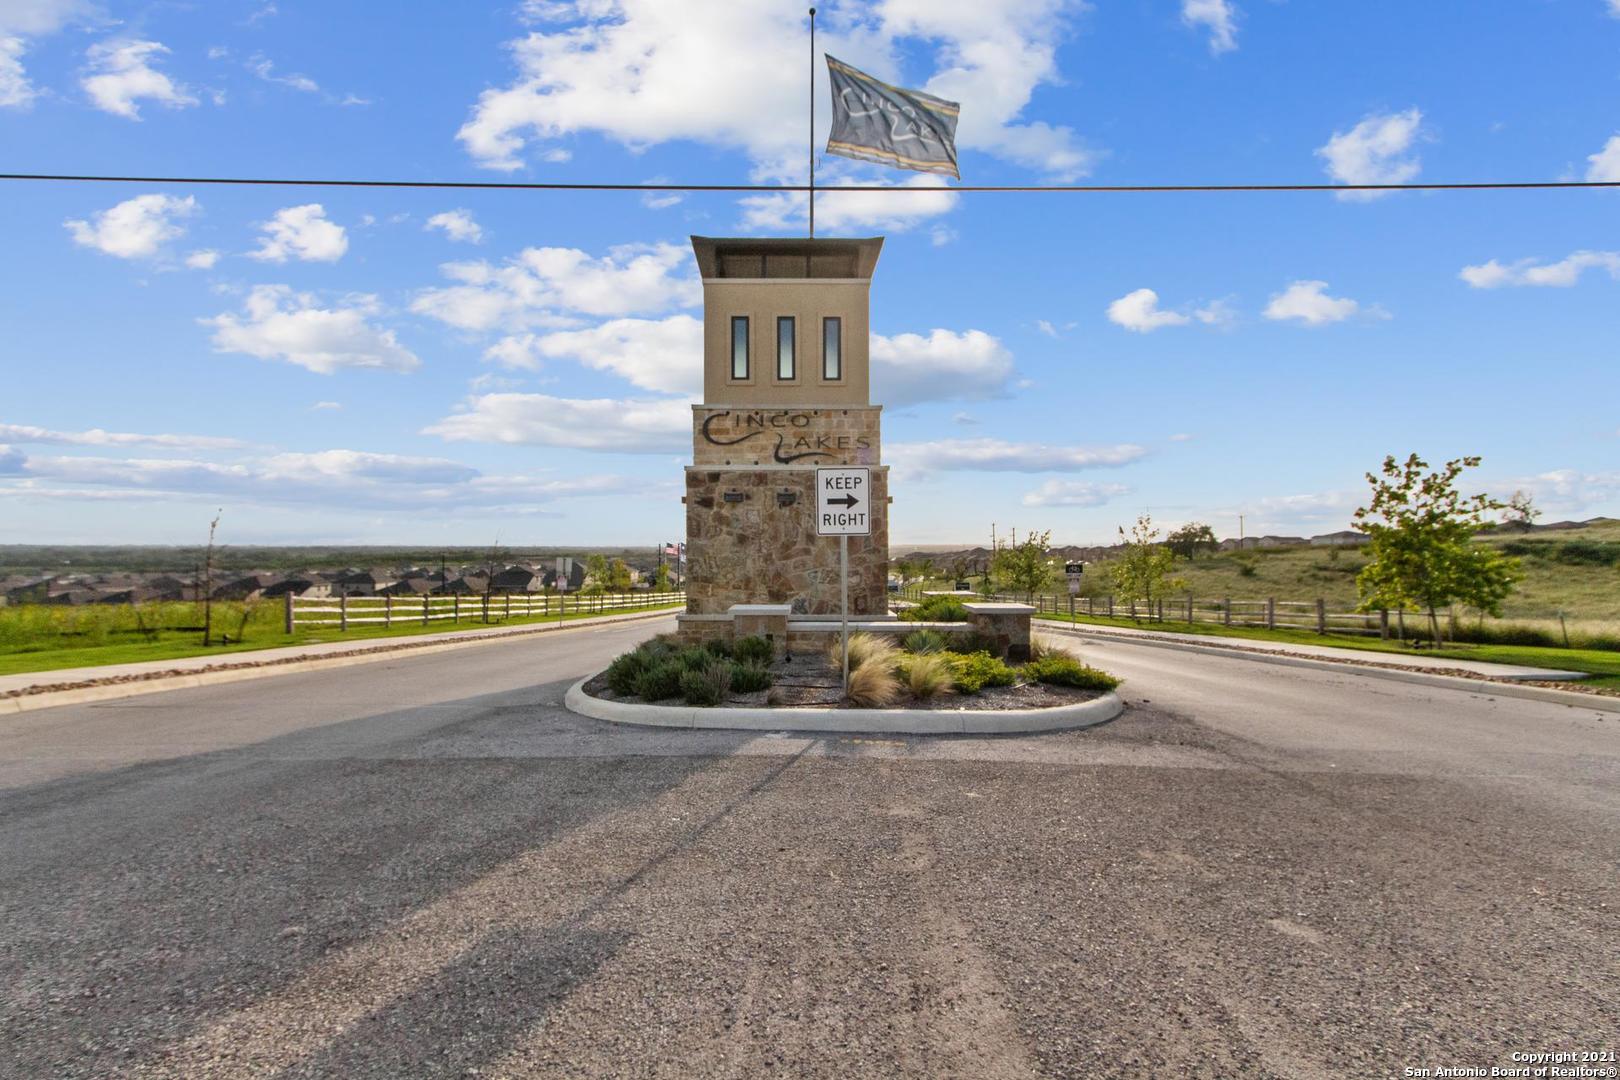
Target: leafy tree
{"points": [[1142, 571], [596, 573], [618, 576], [661, 578], [1420, 532], [1190, 539], [1025, 567], [1521, 512]]}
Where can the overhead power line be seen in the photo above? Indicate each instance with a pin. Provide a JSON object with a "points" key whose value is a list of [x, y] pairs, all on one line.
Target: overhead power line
{"points": [[514, 185]]}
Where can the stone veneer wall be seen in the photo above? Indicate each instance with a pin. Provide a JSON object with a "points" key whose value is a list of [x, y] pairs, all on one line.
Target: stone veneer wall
{"points": [[758, 552]]}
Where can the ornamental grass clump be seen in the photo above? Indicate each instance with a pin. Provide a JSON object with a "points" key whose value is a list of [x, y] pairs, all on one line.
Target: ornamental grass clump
{"points": [[864, 649], [1067, 671], [872, 685], [707, 686], [977, 670], [927, 674], [1042, 647]]}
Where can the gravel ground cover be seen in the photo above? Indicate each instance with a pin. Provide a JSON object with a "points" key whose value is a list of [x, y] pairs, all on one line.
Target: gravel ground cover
{"points": [[510, 891]]}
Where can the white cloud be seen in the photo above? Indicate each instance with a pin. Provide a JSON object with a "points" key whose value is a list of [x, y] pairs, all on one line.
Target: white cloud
{"points": [[614, 426], [530, 290], [35, 18], [1219, 16], [1605, 164], [1325, 510], [123, 76], [136, 228], [202, 259], [264, 69], [1614, 8], [842, 212], [28, 434], [326, 406], [1046, 328], [643, 72], [301, 232], [1140, 311], [1308, 303], [999, 455], [1375, 151], [288, 326], [346, 479], [1569, 491], [945, 365], [1181, 436], [16, 92], [457, 225], [1073, 493], [664, 355], [1562, 274]]}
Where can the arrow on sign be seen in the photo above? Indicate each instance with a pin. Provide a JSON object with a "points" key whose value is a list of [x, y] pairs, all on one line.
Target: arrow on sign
{"points": [[846, 502]]}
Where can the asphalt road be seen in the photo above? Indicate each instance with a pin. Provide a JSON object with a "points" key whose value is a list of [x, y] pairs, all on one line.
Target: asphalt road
{"points": [[424, 867]]}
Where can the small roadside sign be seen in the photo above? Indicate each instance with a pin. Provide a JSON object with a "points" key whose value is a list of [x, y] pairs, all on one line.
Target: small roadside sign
{"points": [[844, 502], [1074, 569]]}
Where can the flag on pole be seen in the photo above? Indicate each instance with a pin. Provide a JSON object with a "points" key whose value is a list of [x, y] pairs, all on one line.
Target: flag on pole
{"points": [[906, 129]]}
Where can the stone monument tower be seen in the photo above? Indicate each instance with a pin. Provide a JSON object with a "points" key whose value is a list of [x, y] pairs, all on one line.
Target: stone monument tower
{"points": [[785, 389]]}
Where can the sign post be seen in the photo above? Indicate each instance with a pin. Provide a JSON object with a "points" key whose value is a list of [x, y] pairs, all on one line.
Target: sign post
{"points": [[1072, 571], [844, 509]]}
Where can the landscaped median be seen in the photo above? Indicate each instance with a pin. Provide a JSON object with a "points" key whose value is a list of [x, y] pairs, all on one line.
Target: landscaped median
{"points": [[924, 685]]}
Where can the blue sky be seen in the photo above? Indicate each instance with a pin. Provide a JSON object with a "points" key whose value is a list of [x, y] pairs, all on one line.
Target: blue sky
{"points": [[340, 366]]}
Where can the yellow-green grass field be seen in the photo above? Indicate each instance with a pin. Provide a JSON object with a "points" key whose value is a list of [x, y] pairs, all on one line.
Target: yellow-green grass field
{"points": [[1602, 664], [45, 638]]}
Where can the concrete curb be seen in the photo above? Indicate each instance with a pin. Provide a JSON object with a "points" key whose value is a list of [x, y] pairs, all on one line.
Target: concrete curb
{"points": [[1573, 698], [373, 650], [868, 721]]}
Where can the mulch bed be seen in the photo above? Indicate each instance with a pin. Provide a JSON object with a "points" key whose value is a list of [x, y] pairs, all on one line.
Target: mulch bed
{"points": [[809, 681]]}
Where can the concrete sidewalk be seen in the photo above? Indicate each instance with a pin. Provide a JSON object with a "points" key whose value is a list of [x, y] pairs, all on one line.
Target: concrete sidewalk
{"points": [[1328, 652], [283, 658]]}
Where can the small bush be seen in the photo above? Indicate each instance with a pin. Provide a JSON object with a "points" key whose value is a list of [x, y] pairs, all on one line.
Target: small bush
{"points": [[1245, 565], [925, 641], [927, 674], [1067, 671], [625, 670], [973, 642], [977, 670], [719, 648], [752, 650], [936, 609], [750, 678], [708, 686], [872, 686], [695, 659], [658, 681], [864, 649]]}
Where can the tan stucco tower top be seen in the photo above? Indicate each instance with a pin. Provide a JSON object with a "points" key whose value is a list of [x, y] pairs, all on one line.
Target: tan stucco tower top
{"points": [[786, 321], [786, 389]]}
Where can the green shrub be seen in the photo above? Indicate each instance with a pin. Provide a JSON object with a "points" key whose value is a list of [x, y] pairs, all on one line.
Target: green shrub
{"points": [[936, 609], [1057, 670], [752, 650], [750, 678], [925, 641], [625, 670], [694, 659], [973, 642], [708, 686], [977, 670], [658, 681], [719, 648]]}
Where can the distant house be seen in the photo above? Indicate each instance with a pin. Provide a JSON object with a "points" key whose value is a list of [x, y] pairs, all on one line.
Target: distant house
{"points": [[310, 586], [1343, 538], [568, 575], [468, 585], [517, 579], [247, 587], [365, 582], [409, 586]]}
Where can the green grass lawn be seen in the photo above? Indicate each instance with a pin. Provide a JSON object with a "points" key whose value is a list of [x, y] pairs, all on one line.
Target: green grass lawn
{"points": [[1603, 665], [114, 646]]}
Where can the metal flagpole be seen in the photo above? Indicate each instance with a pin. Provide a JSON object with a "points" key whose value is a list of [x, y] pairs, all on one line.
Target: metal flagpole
{"points": [[813, 125]]}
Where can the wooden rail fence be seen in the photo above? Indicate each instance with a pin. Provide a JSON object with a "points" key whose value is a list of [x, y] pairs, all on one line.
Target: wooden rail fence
{"points": [[346, 611], [1273, 614]]}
